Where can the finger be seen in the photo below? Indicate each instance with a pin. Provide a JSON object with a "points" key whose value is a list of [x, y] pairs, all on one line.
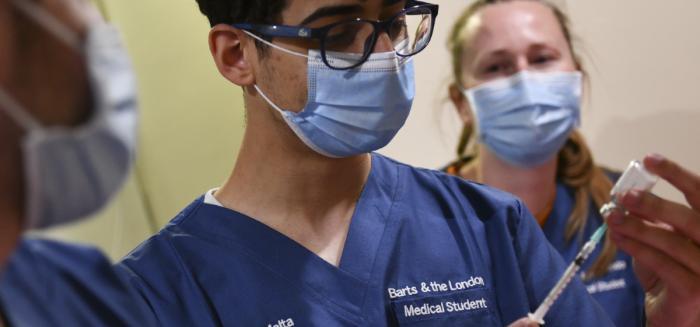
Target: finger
{"points": [[683, 179], [649, 280], [651, 207], [672, 244], [677, 278]]}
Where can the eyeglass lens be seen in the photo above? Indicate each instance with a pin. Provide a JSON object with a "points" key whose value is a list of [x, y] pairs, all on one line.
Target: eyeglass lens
{"points": [[409, 34]]}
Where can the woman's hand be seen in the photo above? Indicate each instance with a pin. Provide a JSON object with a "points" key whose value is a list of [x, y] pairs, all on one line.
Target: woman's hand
{"points": [[663, 238]]}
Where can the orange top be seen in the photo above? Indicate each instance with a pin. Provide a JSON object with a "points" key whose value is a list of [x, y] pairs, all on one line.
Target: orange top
{"points": [[542, 216]]}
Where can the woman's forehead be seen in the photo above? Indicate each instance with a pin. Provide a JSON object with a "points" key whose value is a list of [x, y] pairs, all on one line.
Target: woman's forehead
{"points": [[513, 26]]}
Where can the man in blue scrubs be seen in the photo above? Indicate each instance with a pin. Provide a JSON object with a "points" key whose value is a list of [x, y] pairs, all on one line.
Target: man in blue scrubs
{"points": [[314, 229], [67, 125]]}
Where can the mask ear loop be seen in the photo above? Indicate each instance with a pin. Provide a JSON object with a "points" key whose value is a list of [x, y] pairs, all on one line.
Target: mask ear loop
{"points": [[468, 94], [15, 111], [272, 104], [49, 22]]}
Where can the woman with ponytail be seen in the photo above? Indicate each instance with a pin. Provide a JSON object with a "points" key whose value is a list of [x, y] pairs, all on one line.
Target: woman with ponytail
{"points": [[517, 87]]}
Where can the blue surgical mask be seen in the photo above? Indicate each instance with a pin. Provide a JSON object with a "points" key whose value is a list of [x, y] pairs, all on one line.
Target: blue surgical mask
{"points": [[525, 119], [351, 112], [72, 172]]}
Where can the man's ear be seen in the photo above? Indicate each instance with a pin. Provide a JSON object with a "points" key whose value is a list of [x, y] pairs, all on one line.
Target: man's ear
{"points": [[228, 48], [461, 104]]}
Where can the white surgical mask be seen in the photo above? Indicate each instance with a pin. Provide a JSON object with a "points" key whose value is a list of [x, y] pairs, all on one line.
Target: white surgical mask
{"points": [[72, 172]]}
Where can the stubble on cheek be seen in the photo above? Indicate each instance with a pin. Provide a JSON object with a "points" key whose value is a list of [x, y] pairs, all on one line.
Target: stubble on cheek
{"points": [[287, 78]]}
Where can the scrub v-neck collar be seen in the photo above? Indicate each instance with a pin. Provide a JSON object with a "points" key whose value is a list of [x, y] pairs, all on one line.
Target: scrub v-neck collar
{"points": [[346, 285]]}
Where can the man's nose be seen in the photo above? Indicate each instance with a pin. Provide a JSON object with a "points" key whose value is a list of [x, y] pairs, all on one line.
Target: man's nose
{"points": [[384, 43]]}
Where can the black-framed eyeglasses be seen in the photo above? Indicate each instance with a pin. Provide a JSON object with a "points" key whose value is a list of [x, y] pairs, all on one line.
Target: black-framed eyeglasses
{"points": [[410, 31]]}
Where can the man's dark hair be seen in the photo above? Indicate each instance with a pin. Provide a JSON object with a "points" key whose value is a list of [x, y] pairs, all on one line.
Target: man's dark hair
{"points": [[242, 11]]}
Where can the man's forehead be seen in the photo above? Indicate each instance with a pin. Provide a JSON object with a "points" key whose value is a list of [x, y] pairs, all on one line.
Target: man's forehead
{"points": [[342, 2], [297, 10]]}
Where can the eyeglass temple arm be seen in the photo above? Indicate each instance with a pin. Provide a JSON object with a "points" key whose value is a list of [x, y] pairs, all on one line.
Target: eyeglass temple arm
{"points": [[277, 30]]}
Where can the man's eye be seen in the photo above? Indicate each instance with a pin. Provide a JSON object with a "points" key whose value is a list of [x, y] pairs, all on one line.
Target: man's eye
{"points": [[399, 23], [398, 31], [340, 35]]}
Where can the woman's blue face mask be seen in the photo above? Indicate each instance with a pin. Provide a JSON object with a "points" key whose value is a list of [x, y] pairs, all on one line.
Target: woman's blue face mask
{"points": [[526, 118]]}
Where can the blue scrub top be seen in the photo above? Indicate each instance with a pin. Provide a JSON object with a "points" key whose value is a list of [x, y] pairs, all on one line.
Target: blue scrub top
{"points": [[619, 292], [424, 249], [49, 283]]}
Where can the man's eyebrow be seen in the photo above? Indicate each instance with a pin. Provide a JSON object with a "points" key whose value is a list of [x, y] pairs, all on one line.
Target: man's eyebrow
{"points": [[333, 11], [387, 3]]}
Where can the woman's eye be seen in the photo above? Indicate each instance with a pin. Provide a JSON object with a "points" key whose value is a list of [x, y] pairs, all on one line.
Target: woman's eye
{"points": [[492, 69], [543, 59]]}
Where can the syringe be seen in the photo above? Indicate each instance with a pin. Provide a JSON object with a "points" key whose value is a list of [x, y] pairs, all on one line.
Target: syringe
{"points": [[635, 177]]}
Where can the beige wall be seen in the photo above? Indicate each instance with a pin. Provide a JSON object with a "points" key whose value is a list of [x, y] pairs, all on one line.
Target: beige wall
{"points": [[646, 97], [643, 58]]}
